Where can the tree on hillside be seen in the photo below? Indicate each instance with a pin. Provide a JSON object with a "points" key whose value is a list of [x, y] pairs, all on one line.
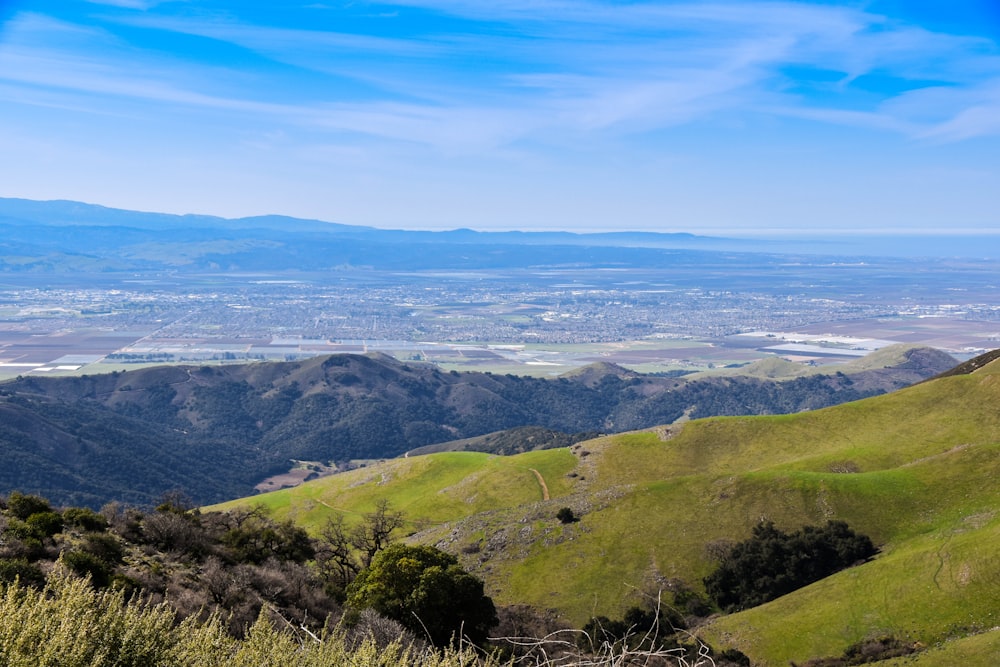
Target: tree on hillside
{"points": [[773, 563], [343, 552], [425, 590]]}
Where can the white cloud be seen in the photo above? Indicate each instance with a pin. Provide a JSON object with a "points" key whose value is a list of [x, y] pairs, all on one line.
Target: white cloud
{"points": [[559, 69], [977, 115], [143, 5]]}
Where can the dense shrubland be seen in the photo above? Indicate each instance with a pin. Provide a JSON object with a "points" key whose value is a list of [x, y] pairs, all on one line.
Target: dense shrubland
{"points": [[232, 567], [68, 623]]}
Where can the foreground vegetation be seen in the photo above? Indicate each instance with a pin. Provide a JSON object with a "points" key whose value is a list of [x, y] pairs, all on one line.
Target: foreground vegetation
{"points": [[70, 624], [123, 581]]}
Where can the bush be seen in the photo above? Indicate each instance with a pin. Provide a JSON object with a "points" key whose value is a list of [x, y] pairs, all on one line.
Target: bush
{"points": [[874, 649], [72, 625], [86, 564], [104, 546], [565, 515], [84, 519], [46, 523], [258, 538], [638, 628], [22, 506], [22, 530], [425, 590], [773, 563], [19, 569]]}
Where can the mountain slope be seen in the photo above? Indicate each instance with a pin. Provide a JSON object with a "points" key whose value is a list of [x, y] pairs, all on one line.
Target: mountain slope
{"points": [[916, 470], [220, 430]]}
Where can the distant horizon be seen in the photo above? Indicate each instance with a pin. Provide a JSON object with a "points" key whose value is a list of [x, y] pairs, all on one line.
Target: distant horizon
{"points": [[800, 234]]}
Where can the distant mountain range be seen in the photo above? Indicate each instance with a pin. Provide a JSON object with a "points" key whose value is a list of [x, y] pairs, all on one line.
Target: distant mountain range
{"points": [[66, 236], [63, 236], [214, 432]]}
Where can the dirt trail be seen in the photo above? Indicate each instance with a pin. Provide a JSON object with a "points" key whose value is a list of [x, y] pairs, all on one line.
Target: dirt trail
{"points": [[541, 482]]}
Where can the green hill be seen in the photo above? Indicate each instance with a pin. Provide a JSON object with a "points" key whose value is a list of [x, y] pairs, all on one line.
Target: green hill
{"points": [[916, 470]]}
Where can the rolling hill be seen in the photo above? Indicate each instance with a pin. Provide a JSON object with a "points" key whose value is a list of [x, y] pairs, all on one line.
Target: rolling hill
{"points": [[916, 470], [214, 432]]}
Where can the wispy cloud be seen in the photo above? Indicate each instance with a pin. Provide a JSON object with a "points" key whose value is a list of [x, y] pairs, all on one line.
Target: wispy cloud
{"points": [[129, 4], [977, 114], [599, 101], [556, 68]]}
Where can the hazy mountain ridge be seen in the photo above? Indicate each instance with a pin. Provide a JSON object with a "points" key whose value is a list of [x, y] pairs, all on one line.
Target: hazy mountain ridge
{"points": [[216, 431], [61, 236]]}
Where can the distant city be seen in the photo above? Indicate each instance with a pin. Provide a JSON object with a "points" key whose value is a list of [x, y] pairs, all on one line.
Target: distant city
{"points": [[540, 322]]}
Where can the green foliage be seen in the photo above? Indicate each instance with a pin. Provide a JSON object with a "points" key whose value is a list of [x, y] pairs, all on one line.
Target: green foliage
{"points": [[23, 505], [427, 592], [181, 554], [46, 524], [773, 563], [20, 569], [23, 531], [103, 546], [565, 515], [638, 628], [69, 624], [257, 539], [88, 565], [84, 518]]}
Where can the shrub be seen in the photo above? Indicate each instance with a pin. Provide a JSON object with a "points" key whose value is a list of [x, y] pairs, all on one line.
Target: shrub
{"points": [[773, 563], [22, 530], [874, 649], [84, 519], [87, 564], [14, 569], [104, 546], [565, 515], [46, 523], [257, 539], [72, 625], [22, 505], [425, 590]]}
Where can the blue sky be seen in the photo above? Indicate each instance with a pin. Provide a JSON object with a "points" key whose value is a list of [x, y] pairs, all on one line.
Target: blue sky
{"points": [[707, 117]]}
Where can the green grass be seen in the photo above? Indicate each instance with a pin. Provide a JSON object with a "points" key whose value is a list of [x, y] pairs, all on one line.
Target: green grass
{"points": [[981, 650], [915, 470], [925, 590], [427, 489]]}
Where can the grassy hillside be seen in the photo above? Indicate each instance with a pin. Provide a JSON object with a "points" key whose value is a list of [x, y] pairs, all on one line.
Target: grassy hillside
{"points": [[916, 470]]}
